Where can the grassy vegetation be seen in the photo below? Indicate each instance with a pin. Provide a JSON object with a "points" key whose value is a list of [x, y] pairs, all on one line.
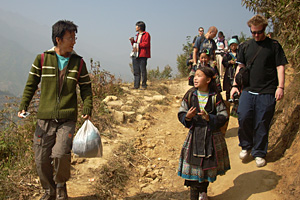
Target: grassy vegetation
{"points": [[18, 178], [112, 176], [16, 156]]}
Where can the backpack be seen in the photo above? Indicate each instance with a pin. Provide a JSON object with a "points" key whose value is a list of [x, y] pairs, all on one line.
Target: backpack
{"points": [[79, 70], [242, 78], [218, 41], [223, 129]]}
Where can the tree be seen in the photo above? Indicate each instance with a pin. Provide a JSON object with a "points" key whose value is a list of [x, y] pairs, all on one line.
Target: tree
{"points": [[182, 58]]}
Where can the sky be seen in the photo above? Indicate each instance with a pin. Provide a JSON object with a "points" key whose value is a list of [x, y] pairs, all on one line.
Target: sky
{"points": [[104, 26]]}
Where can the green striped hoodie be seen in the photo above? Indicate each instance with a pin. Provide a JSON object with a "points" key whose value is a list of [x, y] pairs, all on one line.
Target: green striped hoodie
{"points": [[52, 104]]}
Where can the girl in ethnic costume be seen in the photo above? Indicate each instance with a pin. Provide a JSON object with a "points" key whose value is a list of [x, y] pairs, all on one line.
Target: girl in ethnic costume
{"points": [[204, 154]]}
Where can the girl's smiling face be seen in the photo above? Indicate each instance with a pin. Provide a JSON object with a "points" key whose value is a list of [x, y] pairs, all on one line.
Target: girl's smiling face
{"points": [[204, 58], [201, 81]]}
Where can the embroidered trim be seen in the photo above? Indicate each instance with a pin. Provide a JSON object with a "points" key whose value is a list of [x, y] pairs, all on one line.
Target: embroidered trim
{"points": [[84, 83], [84, 76], [48, 75], [36, 67], [75, 71], [69, 77], [48, 67], [34, 74]]}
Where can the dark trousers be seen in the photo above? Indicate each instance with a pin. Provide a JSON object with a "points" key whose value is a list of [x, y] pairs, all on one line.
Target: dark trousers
{"points": [[196, 188], [139, 70], [255, 113]]}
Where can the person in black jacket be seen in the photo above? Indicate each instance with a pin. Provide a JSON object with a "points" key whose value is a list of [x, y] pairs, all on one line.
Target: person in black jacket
{"points": [[204, 153], [229, 63]]}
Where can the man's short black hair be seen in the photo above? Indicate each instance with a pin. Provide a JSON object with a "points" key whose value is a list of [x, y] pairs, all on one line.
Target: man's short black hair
{"points": [[59, 29], [142, 25], [201, 28]]}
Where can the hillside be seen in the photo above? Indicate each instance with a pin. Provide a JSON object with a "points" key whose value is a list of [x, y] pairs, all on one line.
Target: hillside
{"points": [[20, 39], [15, 64], [157, 137]]}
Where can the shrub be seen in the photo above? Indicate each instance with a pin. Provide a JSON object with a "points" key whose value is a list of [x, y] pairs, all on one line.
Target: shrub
{"points": [[155, 74]]}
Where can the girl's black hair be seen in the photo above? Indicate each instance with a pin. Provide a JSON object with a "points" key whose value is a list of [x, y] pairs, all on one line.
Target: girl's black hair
{"points": [[142, 25], [210, 73], [59, 29], [206, 51]]}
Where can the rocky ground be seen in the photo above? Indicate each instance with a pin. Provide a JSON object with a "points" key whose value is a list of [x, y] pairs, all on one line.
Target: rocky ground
{"points": [[150, 120]]}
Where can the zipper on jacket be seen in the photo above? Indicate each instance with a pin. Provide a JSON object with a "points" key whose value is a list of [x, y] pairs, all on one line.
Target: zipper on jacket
{"points": [[60, 89], [57, 92]]}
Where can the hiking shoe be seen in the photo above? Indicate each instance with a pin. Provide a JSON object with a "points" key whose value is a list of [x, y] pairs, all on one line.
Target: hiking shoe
{"points": [[203, 196], [47, 196], [244, 154], [260, 162], [61, 193]]}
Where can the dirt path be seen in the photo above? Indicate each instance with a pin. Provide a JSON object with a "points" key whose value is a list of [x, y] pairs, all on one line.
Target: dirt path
{"points": [[161, 143]]}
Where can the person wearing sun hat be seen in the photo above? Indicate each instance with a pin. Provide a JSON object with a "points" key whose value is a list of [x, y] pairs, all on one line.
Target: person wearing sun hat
{"points": [[229, 63]]}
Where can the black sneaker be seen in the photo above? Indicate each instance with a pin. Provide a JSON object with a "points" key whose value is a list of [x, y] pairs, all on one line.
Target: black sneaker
{"points": [[47, 196], [61, 193]]}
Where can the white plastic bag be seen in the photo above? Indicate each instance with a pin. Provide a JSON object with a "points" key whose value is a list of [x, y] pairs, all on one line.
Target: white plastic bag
{"points": [[87, 141], [132, 53]]}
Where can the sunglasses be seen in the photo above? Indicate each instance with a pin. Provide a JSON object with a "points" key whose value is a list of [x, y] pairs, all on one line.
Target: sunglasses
{"points": [[257, 32]]}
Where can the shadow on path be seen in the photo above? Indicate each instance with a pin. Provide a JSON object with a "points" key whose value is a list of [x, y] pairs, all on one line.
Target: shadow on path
{"points": [[92, 197], [250, 183], [161, 195], [244, 186], [231, 132]]}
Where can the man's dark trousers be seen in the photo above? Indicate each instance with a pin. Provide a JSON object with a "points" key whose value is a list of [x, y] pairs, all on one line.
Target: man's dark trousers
{"points": [[255, 113], [139, 70]]}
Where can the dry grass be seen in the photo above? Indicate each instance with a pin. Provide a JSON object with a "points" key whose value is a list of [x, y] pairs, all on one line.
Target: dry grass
{"points": [[114, 175]]}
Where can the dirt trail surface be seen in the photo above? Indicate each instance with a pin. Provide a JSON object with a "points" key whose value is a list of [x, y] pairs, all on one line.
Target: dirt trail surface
{"points": [[159, 136]]}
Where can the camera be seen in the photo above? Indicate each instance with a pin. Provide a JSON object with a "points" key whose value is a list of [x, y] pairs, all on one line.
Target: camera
{"points": [[24, 115], [235, 98]]}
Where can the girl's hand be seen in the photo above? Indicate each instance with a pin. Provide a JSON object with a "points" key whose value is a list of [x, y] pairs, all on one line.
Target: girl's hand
{"points": [[191, 113], [204, 115]]}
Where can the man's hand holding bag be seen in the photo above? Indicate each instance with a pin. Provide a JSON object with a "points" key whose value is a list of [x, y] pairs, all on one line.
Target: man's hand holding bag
{"points": [[87, 141]]}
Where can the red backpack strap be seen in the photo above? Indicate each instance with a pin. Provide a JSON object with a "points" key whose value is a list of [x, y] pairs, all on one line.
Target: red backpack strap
{"points": [[80, 68], [42, 59]]}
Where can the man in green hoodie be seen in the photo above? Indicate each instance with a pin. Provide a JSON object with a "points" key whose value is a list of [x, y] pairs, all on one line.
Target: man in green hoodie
{"points": [[58, 71]]}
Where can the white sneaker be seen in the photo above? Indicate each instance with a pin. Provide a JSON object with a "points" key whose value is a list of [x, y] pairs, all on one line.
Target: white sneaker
{"points": [[260, 162], [203, 196], [244, 154]]}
